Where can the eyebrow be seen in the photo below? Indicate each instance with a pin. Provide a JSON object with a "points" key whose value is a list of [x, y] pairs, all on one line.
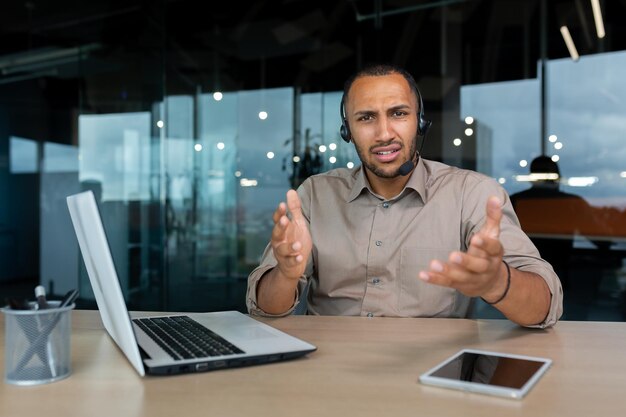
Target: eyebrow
{"points": [[390, 109], [400, 107]]}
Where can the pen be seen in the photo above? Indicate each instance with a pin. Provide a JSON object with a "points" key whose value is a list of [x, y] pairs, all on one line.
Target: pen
{"points": [[69, 298]]}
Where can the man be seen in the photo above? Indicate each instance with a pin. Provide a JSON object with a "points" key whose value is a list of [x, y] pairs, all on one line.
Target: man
{"points": [[400, 238]]}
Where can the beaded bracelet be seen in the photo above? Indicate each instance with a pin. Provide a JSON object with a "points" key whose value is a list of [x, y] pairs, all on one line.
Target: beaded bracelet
{"points": [[508, 285]]}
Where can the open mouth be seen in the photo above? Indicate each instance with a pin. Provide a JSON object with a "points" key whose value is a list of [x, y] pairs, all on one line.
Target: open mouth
{"points": [[387, 152]]}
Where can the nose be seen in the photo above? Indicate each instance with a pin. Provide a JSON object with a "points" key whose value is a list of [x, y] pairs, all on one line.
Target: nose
{"points": [[384, 129]]}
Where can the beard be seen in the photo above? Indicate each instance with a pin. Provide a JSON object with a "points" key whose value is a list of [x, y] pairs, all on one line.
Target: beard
{"points": [[378, 170]]}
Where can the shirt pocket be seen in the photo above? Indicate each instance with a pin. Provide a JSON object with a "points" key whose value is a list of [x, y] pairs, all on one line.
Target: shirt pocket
{"points": [[417, 298]]}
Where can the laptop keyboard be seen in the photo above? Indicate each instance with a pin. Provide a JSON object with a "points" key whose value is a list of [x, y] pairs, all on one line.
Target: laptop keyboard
{"points": [[184, 338]]}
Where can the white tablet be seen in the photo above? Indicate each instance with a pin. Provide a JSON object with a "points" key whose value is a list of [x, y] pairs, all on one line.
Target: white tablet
{"points": [[501, 374]]}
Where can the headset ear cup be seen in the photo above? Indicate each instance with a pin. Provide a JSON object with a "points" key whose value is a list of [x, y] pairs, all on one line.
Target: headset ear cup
{"points": [[344, 131], [423, 125]]}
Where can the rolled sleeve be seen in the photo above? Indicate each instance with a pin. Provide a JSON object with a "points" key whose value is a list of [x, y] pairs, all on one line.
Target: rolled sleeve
{"points": [[545, 271], [268, 263]]}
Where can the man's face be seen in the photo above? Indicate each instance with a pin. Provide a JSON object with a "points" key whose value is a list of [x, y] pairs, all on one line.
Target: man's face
{"points": [[382, 114]]}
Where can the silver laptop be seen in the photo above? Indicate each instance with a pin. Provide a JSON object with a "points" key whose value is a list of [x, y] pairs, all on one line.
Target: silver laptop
{"points": [[171, 344]]}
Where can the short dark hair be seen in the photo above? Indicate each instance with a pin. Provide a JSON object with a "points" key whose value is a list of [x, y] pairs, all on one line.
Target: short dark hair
{"points": [[545, 165], [377, 70]]}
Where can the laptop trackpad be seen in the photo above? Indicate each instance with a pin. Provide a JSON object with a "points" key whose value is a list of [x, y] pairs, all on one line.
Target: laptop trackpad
{"points": [[250, 332]]}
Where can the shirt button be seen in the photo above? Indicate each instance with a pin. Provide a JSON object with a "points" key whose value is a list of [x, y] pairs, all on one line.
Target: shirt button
{"points": [[376, 281], [386, 204], [379, 243], [370, 314]]}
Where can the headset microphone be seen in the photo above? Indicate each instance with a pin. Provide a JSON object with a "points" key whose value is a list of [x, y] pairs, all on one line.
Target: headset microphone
{"points": [[406, 168]]}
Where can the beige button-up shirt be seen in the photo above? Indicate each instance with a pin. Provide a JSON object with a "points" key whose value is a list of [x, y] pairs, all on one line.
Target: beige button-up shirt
{"points": [[368, 251]]}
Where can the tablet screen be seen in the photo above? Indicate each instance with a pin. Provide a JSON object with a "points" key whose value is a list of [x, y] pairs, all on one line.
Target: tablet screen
{"points": [[488, 372]]}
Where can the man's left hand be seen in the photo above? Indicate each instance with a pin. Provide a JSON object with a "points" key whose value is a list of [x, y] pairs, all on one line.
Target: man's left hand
{"points": [[479, 271]]}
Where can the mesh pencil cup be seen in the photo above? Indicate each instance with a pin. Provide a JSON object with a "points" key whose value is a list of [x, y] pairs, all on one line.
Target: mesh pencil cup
{"points": [[37, 344]]}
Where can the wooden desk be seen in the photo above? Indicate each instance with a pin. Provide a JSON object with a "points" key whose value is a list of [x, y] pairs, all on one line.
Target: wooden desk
{"points": [[363, 367]]}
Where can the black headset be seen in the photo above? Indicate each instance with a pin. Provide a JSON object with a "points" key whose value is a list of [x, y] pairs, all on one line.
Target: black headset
{"points": [[423, 124]]}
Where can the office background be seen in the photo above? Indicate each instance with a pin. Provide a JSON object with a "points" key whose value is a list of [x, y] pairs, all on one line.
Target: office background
{"points": [[190, 119]]}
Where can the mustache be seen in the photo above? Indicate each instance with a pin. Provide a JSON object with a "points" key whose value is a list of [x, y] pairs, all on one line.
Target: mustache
{"points": [[383, 144]]}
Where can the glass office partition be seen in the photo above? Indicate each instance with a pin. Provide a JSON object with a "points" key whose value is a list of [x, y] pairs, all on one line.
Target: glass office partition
{"points": [[578, 221], [504, 131], [114, 163], [158, 108], [586, 126], [224, 183]]}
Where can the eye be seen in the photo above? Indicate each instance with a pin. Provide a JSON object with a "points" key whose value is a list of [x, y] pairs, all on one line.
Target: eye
{"points": [[365, 118], [399, 113]]}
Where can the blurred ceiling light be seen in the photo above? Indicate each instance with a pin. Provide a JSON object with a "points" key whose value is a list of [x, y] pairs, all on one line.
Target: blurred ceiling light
{"points": [[469, 120], [44, 59], [332, 146], [457, 142], [597, 16], [523, 163], [552, 138], [332, 159], [622, 174], [350, 165], [538, 176], [558, 145], [263, 115], [322, 148], [581, 181], [270, 155], [160, 124], [197, 147], [501, 180], [469, 132], [220, 145], [217, 96], [569, 43], [555, 158], [244, 182], [296, 159]]}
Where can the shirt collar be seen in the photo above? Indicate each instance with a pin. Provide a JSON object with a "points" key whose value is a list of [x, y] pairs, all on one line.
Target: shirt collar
{"points": [[417, 182]]}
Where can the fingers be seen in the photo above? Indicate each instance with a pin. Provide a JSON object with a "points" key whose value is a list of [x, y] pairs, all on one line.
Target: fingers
{"points": [[280, 223], [294, 205], [482, 246], [486, 240], [456, 270], [280, 211], [491, 227], [287, 249], [450, 274], [471, 275], [459, 263]]}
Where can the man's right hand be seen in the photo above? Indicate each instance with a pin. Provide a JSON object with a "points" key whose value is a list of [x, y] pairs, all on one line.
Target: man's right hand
{"points": [[291, 240]]}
